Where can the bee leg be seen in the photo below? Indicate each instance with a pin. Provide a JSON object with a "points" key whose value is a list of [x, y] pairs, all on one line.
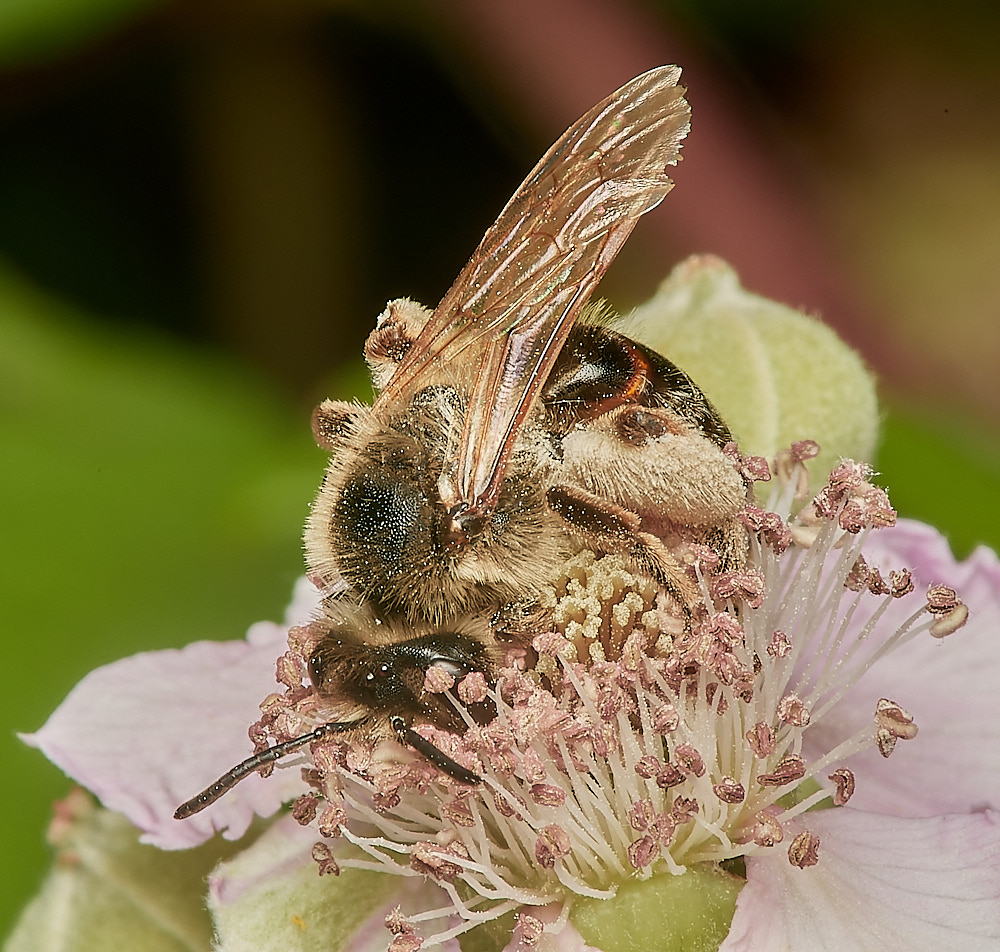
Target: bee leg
{"points": [[617, 529], [398, 327], [651, 462], [410, 738], [730, 541], [333, 421]]}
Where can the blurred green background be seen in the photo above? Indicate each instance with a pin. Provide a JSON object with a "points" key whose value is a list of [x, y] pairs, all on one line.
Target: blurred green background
{"points": [[203, 206]]}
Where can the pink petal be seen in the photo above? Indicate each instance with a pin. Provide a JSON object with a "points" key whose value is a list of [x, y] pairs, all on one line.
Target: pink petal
{"points": [[148, 732], [305, 602], [949, 686], [926, 552], [882, 884]]}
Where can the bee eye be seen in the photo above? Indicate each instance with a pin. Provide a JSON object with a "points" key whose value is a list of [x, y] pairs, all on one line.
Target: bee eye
{"points": [[380, 674], [383, 514], [383, 685]]}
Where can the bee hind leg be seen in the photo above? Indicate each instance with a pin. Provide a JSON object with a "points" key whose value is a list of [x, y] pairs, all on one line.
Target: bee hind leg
{"points": [[613, 528]]}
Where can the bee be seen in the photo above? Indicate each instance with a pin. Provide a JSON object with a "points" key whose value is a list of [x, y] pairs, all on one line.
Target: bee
{"points": [[367, 679], [507, 435]]}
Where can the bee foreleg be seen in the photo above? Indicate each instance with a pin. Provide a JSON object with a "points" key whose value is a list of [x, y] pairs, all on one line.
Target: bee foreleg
{"points": [[614, 528], [398, 327]]}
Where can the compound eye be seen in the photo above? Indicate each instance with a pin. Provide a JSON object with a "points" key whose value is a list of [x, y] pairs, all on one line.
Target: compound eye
{"points": [[325, 664], [380, 686], [384, 521]]}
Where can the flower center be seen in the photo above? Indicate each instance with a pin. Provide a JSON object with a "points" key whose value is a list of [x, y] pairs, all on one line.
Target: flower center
{"points": [[632, 738]]}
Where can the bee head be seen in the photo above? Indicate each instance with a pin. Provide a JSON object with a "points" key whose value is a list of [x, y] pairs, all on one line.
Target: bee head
{"points": [[385, 523], [388, 678]]}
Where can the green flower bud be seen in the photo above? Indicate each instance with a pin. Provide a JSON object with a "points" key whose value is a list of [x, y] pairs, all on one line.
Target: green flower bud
{"points": [[273, 900], [775, 374], [107, 890]]}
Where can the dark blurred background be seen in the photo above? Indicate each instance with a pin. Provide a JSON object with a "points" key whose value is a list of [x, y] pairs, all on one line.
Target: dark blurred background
{"points": [[204, 205]]}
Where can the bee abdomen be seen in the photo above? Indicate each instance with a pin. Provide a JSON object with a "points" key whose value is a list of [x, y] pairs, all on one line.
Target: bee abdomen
{"points": [[599, 370]]}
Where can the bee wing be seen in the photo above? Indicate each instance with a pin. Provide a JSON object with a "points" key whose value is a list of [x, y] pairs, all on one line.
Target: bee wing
{"points": [[513, 304]]}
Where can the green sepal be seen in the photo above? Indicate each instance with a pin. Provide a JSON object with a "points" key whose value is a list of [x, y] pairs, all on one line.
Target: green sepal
{"points": [[297, 910], [108, 891]]}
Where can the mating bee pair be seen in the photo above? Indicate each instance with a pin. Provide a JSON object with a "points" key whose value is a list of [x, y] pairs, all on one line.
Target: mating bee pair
{"points": [[507, 435]]}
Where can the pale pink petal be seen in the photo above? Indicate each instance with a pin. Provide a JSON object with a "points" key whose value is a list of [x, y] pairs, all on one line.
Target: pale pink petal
{"points": [[305, 602], [926, 551], [882, 884], [148, 732], [949, 686], [415, 895]]}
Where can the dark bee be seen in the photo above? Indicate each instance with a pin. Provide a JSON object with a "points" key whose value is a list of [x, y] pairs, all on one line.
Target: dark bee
{"points": [[368, 680], [507, 435]]}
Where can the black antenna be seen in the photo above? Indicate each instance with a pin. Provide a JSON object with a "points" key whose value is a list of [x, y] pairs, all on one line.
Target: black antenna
{"points": [[410, 738], [232, 777]]}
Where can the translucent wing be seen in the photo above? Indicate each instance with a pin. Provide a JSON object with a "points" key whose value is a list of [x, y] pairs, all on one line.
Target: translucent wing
{"points": [[510, 309]]}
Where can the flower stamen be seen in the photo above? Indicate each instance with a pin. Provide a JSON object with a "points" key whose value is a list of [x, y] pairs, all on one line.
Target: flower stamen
{"points": [[629, 741]]}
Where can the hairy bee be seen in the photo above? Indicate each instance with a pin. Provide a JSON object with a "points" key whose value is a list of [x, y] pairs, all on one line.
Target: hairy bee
{"points": [[506, 436]]}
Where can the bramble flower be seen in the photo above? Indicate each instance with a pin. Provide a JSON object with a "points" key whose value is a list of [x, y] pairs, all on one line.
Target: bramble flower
{"points": [[641, 766], [805, 759]]}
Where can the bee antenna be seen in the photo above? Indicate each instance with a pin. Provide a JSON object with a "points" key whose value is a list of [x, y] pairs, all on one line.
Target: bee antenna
{"points": [[232, 777], [410, 738]]}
